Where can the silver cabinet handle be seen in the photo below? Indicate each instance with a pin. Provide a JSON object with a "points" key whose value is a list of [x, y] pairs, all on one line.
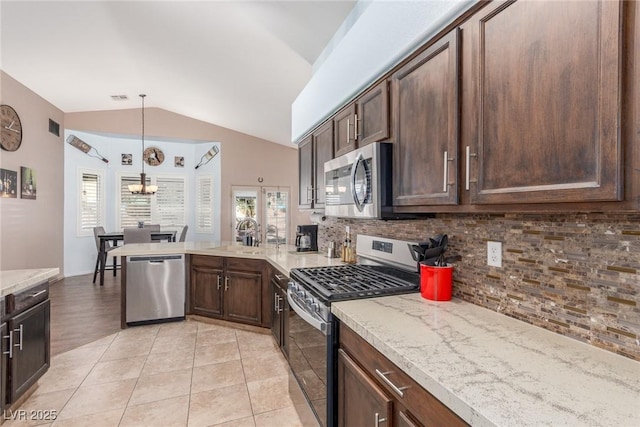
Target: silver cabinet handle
{"points": [[276, 303], [10, 352], [280, 299], [348, 125], [378, 420], [226, 283], [38, 293], [355, 131], [279, 277], [446, 172], [467, 179], [219, 280], [395, 388], [20, 329]]}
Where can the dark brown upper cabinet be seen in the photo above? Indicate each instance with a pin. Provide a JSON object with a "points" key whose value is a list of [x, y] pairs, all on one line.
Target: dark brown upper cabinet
{"points": [[426, 125], [364, 121], [313, 152], [541, 104]]}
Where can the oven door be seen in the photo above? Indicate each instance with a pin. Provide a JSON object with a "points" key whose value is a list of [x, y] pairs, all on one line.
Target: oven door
{"points": [[309, 350]]}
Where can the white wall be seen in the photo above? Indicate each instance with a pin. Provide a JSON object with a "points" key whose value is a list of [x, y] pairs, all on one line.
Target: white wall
{"points": [[384, 33], [80, 251]]}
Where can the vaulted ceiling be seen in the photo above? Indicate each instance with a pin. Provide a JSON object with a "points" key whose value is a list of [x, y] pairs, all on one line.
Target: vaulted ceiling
{"points": [[237, 64]]}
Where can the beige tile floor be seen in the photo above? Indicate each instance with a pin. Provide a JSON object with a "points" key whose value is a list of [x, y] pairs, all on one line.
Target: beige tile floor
{"points": [[175, 374]]}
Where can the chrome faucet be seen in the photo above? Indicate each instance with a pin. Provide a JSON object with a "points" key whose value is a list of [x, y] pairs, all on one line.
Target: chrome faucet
{"points": [[255, 232]]}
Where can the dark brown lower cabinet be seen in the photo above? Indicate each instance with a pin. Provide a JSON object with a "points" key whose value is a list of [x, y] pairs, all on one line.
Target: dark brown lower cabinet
{"points": [[30, 355], [279, 310], [374, 391], [360, 400], [229, 288]]}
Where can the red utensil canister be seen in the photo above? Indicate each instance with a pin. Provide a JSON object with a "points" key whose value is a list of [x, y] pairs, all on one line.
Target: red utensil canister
{"points": [[436, 282]]}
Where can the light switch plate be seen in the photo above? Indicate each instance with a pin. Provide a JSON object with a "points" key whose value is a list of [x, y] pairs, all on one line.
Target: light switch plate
{"points": [[494, 254]]}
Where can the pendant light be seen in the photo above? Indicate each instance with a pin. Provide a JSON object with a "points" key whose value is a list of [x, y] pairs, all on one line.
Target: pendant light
{"points": [[143, 188]]}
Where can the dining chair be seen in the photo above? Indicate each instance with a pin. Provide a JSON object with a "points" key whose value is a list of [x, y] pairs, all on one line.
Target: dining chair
{"points": [[137, 235], [152, 227], [183, 233], [107, 246]]}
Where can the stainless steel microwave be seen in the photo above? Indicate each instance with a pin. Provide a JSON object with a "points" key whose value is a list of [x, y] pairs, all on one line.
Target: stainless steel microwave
{"points": [[358, 183]]}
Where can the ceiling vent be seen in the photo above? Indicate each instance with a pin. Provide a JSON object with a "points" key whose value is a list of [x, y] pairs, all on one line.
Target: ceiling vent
{"points": [[119, 97]]}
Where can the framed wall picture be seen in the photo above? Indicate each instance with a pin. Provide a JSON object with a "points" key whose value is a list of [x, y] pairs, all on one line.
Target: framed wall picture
{"points": [[179, 161], [8, 183], [127, 159], [27, 183]]}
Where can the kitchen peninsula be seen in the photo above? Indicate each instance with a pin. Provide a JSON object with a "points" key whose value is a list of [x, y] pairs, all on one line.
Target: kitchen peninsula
{"points": [[206, 261]]}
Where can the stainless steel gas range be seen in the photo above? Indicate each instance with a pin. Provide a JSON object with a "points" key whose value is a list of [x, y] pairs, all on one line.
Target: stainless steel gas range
{"points": [[385, 267]]}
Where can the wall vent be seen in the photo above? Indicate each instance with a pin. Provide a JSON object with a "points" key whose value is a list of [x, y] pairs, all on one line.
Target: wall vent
{"points": [[54, 127], [119, 97]]}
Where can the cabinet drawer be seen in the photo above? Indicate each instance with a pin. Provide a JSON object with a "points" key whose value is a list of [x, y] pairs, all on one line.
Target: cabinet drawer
{"points": [[246, 264], [19, 302], [207, 261], [419, 402]]}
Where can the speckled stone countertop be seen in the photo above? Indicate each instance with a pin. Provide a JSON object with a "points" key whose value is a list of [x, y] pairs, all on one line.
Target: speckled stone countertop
{"points": [[12, 281], [494, 370], [283, 258]]}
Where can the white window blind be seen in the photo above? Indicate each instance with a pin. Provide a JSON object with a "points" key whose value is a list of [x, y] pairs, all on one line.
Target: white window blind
{"points": [[204, 204], [91, 198], [170, 203], [133, 207]]}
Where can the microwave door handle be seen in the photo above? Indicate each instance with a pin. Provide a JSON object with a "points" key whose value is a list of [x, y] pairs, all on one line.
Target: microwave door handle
{"points": [[359, 204]]}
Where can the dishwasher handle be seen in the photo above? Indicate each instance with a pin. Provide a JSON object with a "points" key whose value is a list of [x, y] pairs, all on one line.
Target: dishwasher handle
{"points": [[156, 258]]}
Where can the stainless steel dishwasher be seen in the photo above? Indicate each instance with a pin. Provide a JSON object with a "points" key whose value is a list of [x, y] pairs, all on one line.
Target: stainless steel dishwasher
{"points": [[155, 288]]}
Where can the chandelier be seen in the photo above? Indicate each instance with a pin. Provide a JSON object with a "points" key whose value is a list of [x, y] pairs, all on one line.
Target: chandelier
{"points": [[142, 188]]}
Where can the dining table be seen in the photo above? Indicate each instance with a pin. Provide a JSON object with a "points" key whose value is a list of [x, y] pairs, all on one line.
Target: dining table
{"points": [[115, 237]]}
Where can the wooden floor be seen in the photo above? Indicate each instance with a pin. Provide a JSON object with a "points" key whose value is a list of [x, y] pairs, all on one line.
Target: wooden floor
{"points": [[82, 312]]}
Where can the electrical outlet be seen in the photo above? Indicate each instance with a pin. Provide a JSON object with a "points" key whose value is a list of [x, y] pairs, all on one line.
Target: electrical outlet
{"points": [[494, 254]]}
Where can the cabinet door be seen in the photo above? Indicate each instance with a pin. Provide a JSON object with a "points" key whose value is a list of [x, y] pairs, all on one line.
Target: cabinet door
{"points": [[305, 173], [344, 124], [322, 151], [425, 108], [206, 291], [243, 297], [360, 401], [372, 109], [31, 348], [4, 347], [543, 104]]}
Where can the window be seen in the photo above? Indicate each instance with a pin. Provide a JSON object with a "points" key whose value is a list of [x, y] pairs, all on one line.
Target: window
{"points": [[166, 207], [91, 212], [170, 203], [134, 208], [204, 204]]}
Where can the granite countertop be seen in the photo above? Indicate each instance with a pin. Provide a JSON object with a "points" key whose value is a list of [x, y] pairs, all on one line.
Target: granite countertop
{"points": [[494, 370], [283, 258], [12, 281]]}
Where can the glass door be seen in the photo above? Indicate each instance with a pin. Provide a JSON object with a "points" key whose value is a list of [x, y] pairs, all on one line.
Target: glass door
{"points": [[262, 212]]}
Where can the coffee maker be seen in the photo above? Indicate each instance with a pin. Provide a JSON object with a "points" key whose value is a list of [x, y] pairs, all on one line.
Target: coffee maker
{"points": [[307, 238]]}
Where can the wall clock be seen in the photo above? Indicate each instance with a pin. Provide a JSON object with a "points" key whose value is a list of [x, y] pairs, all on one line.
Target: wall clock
{"points": [[11, 131], [153, 156]]}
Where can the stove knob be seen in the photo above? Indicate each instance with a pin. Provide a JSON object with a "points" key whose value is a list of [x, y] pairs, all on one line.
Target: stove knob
{"points": [[315, 307]]}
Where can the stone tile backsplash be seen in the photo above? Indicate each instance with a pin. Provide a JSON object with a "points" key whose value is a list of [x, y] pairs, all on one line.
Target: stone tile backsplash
{"points": [[577, 275]]}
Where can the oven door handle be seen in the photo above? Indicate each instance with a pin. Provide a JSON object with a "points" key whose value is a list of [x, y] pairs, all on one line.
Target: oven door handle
{"points": [[300, 311]]}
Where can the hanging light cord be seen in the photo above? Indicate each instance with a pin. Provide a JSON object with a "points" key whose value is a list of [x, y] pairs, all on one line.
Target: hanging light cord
{"points": [[142, 96]]}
